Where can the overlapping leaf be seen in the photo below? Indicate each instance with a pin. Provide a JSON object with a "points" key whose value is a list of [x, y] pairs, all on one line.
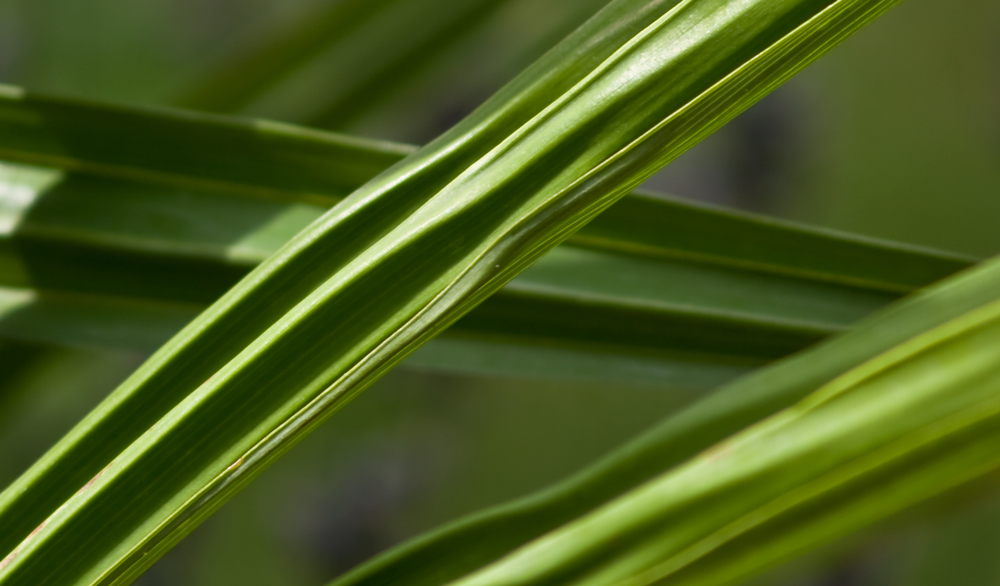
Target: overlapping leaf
{"points": [[340, 60], [883, 342], [391, 266], [660, 289], [915, 420]]}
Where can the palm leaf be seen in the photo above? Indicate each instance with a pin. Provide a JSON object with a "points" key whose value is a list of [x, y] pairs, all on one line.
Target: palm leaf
{"points": [[319, 321], [654, 281], [474, 542]]}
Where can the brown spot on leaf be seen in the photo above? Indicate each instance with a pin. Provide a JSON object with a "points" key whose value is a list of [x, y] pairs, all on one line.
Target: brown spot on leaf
{"points": [[17, 550], [91, 482], [718, 452]]}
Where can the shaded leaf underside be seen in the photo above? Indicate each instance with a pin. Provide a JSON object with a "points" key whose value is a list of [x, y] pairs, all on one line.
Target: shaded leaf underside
{"points": [[118, 247]]}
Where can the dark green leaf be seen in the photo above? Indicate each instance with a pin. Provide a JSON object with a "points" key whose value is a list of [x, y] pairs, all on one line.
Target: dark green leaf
{"points": [[393, 265]]}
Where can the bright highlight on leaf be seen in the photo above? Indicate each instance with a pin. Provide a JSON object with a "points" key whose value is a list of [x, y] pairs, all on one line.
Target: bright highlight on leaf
{"points": [[341, 257]]}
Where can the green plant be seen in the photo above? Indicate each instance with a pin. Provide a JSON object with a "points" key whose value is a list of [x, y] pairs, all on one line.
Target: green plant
{"points": [[273, 331]]}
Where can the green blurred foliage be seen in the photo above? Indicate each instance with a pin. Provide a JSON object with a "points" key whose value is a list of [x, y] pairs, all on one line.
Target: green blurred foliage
{"points": [[45, 391], [895, 134], [910, 129]]}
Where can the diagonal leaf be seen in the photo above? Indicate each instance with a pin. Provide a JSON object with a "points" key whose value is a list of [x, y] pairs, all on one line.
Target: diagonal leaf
{"points": [[911, 422], [263, 67], [319, 321], [471, 543], [328, 70]]}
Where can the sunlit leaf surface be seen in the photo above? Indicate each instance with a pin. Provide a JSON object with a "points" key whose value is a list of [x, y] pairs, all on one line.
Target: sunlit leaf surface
{"points": [[421, 244]]}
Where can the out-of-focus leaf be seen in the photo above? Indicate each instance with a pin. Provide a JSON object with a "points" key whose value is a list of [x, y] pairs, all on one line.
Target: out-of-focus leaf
{"points": [[44, 391], [262, 67], [393, 265], [958, 549], [89, 320], [187, 150], [340, 60], [216, 164], [481, 60], [652, 280], [15, 358], [664, 289]]}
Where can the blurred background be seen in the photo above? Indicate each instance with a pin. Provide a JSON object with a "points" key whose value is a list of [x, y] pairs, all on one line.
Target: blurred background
{"points": [[895, 134]]}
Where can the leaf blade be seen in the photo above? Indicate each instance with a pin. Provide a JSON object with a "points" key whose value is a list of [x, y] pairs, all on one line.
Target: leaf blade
{"points": [[252, 337]]}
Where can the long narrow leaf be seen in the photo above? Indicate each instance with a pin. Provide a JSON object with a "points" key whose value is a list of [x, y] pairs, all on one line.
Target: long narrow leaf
{"points": [[393, 265], [469, 544], [188, 166], [915, 420], [334, 65], [188, 150]]}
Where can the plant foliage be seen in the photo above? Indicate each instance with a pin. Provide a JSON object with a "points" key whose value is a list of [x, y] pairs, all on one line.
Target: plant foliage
{"points": [[344, 256]]}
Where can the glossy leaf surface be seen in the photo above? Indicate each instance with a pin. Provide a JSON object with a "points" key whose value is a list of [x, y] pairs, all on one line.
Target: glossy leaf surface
{"points": [[318, 321], [913, 421], [474, 542]]}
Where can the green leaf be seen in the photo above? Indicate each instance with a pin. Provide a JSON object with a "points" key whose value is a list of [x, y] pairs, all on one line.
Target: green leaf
{"points": [[472, 543], [337, 62], [916, 420], [393, 265], [89, 320], [651, 285], [188, 150], [15, 358], [262, 67], [44, 391]]}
